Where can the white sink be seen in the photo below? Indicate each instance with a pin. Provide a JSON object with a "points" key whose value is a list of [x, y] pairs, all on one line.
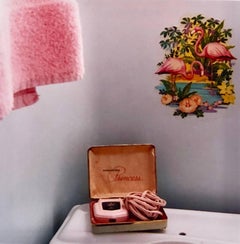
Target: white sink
{"points": [[173, 242], [184, 227]]}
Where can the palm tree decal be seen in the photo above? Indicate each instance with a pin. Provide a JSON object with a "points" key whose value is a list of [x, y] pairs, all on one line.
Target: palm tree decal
{"points": [[201, 46]]}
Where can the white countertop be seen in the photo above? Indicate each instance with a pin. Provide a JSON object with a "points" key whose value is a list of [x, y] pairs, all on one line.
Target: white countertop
{"points": [[199, 227]]}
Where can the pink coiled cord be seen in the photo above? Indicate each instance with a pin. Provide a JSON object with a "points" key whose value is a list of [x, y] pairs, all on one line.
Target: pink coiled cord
{"points": [[144, 205]]}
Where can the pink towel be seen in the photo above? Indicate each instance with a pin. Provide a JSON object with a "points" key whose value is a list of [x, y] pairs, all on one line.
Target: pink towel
{"points": [[45, 46], [6, 86]]}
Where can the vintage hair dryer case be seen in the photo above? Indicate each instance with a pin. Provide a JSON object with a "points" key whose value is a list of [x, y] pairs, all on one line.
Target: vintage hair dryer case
{"points": [[116, 170]]}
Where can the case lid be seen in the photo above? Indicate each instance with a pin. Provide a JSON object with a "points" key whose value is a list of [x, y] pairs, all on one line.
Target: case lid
{"points": [[116, 170]]}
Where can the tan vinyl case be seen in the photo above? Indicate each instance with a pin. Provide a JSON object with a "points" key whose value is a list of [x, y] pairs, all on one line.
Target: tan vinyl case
{"points": [[116, 170]]}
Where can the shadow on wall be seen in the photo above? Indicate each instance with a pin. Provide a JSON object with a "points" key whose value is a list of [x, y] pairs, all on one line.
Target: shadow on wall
{"points": [[72, 188]]}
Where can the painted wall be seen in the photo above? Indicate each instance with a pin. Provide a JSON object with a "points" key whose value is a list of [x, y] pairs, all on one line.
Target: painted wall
{"points": [[44, 147]]}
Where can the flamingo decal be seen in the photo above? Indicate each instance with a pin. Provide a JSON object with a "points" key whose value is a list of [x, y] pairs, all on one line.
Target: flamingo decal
{"points": [[213, 50], [198, 67], [176, 66]]}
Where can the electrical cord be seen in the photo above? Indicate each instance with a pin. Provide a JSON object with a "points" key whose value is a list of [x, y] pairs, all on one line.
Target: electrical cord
{"points": [[144, 205]]}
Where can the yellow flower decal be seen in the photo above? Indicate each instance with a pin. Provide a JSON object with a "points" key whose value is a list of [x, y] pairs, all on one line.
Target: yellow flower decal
{"points": [[227, 92], [219, 72], [225, 88], [229, 98]]}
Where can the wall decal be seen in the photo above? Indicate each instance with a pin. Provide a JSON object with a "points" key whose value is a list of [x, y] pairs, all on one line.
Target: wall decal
{"points": [[196, 73]]}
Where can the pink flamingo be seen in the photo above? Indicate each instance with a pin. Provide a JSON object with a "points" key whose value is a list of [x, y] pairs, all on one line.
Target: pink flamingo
{"points": [[213, 50], [176, 66]]}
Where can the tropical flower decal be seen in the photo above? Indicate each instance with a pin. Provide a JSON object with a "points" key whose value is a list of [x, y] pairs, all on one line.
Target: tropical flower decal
{"points": [[197, 67]]}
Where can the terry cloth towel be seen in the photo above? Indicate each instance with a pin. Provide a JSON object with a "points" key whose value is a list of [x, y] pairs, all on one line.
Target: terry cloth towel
{"points": [[6, 87], [45, 46]]}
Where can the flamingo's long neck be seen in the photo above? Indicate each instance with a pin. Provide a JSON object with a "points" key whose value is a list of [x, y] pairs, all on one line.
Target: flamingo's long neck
{"points": [[190, 75], [200, 54]]}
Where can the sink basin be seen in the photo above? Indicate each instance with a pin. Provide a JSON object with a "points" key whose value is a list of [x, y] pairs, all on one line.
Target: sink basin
{"points": [[184, 227], [173, 242]]}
